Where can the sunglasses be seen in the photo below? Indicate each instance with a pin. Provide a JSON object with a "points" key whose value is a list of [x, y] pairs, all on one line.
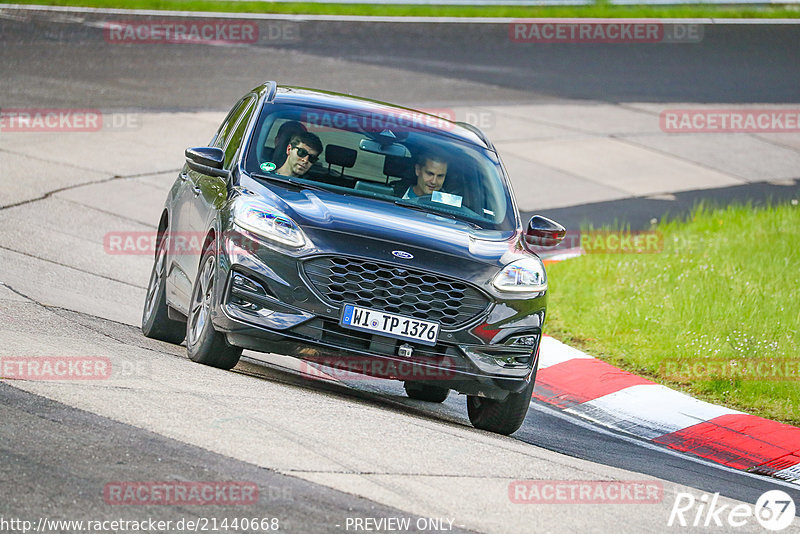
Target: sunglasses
{"points": [[302, 152]]}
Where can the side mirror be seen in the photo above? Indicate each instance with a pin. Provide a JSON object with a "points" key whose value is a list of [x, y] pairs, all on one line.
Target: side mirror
{"points": [[543, 232], [207, 160]]}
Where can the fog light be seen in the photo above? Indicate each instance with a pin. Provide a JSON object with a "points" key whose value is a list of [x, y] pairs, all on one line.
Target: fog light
{"points": [[527, 340], [240, 281], [249, 296], [491, 358]]}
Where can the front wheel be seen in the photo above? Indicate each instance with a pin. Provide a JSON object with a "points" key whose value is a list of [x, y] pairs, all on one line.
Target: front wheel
{"points": [[502, 417], [204, 344], [425, 392], [156, 323]]}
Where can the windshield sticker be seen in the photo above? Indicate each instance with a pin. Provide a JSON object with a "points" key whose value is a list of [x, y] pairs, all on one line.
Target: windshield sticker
{"points": [[268, 166], [446, 198], [488, 212]]}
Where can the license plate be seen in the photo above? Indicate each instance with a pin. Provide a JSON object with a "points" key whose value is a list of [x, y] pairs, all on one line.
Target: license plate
{"points": [[389, 324]]}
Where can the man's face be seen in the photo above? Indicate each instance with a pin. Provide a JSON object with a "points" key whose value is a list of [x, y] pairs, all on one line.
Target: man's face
{"points": [[297, 164], [430, 176]]}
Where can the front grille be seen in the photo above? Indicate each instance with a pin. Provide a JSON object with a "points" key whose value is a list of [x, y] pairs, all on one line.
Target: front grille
{"points": [[395, 289]]}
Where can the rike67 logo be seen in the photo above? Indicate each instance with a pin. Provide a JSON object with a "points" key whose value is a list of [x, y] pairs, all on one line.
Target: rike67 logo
{"points": [[774, 510]]}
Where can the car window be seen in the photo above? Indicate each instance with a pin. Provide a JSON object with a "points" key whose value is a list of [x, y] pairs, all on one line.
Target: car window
{"points": [[353, 162], [235, 138], [230, 122]]}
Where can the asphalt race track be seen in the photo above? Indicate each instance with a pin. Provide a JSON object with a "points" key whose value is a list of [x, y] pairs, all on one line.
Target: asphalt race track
{"points": [[321, 453], [63, 60]]}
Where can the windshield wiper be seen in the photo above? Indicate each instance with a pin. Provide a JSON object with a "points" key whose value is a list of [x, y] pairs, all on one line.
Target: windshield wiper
{"points": [[413, 205], [286, 180]]}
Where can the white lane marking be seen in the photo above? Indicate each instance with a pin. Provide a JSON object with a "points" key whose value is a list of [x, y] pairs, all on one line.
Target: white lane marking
{"points": [[648, 410], [365, 18], [553, 352], [790, 473], [559, 414]]}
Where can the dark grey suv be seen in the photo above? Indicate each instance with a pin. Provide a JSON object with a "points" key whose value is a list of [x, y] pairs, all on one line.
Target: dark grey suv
{"points": [[392, 248]]}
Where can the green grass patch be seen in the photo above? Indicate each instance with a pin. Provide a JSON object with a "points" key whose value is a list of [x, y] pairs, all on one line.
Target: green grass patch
{"points": [[600, 10], [722, 296]]}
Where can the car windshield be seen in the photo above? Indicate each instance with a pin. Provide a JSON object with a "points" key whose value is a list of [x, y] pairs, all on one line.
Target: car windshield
{"points": [[388, 158]]}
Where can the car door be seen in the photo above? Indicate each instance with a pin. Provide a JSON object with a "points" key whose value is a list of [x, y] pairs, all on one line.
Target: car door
{"points": [[194, 208], [211, 192]]}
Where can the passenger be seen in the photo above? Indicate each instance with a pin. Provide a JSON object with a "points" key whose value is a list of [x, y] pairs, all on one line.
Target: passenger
{"points": [[301, 153], [431, 170]]}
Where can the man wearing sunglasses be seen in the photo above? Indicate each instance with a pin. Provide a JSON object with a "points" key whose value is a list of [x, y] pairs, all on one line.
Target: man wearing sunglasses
{"points": [[303, 151]]}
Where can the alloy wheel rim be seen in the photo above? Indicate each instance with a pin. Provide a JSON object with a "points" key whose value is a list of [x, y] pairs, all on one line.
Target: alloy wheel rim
{"points": [[201, 302], [156, 278]]}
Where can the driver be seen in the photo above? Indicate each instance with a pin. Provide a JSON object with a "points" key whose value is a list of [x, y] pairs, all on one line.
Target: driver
{"points": [[301, 153], [431, 170]]}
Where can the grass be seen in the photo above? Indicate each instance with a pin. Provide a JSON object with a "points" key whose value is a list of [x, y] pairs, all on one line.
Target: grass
{"points": [[725, 289], [600, 9]]}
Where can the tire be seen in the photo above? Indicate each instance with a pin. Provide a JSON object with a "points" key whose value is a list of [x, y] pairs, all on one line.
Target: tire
{"points": [[204, 344], [156, 323], [503, 417], [425, 392]]}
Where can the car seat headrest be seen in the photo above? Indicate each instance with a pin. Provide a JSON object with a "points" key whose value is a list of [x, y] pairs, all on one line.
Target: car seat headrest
{"points": [[340, 155], [398, 166]]}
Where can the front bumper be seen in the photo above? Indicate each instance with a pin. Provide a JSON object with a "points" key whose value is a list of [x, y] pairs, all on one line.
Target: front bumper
{"points": [[272, 310]]}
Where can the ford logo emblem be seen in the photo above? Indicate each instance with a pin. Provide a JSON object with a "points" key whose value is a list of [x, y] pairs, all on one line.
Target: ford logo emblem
{"points": [[403, 255]]}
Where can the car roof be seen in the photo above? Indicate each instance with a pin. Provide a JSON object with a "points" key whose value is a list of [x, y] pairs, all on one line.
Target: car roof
{"points": [[364, 106]]}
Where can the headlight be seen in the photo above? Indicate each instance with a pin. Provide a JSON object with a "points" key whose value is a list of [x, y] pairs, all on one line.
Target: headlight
{"points": [[522, 275], [268, 222]]}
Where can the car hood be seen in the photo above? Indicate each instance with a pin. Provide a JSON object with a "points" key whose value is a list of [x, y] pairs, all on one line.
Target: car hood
{"points": [[331, 219]]}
